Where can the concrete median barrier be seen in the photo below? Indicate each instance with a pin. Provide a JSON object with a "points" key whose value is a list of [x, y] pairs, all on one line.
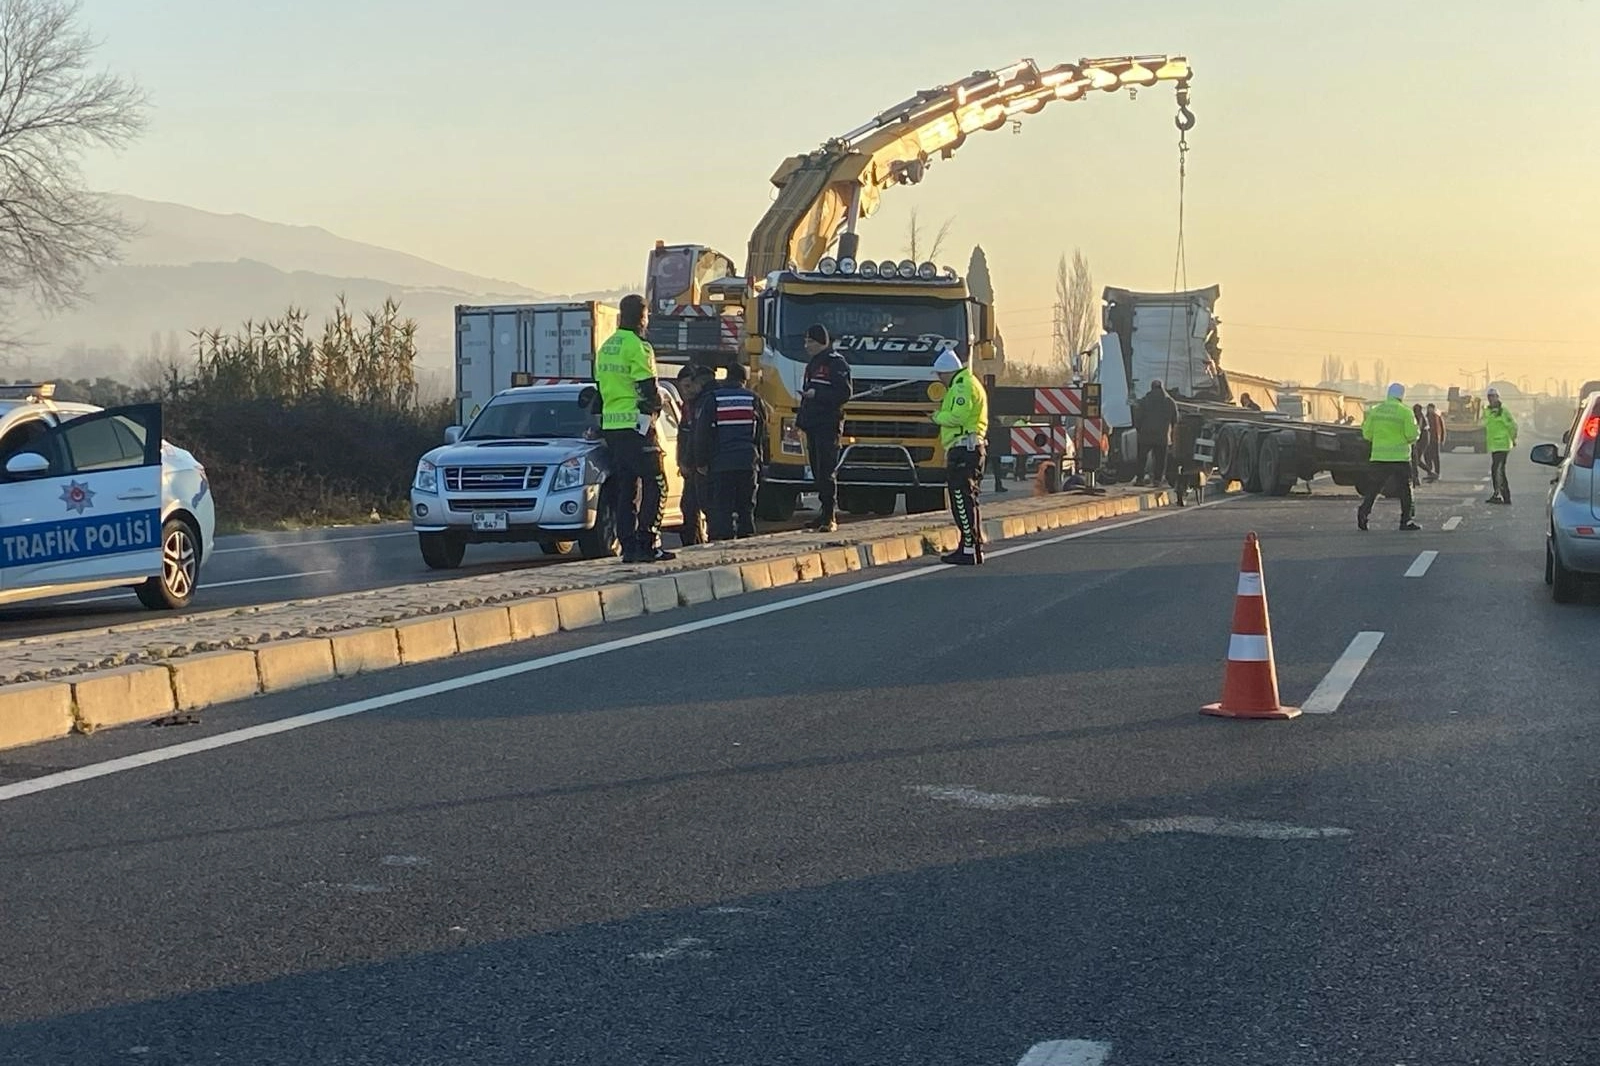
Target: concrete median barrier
{"points": [[214, 677], [33, 712], [175, 664]]}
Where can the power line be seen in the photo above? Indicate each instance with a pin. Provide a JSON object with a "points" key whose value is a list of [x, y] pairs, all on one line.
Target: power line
{"points": [[1230, 324]]}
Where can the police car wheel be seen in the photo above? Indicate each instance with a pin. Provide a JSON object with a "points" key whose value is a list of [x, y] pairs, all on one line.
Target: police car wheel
{"points": [[180, 566]]}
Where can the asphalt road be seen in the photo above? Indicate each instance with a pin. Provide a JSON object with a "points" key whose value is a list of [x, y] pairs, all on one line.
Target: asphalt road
{"points": [[273, 567], [932, 816]]}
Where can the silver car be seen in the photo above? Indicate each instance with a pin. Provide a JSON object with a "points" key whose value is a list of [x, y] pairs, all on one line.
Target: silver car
{"points": [[530, 468], [1572, 541]]}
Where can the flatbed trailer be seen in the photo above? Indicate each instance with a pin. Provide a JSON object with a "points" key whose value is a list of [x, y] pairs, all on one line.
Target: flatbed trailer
{"points": [[1267, 453]]}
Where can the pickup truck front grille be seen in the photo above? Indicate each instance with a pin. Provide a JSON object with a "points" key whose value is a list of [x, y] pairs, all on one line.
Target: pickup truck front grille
{"points": [[872, 427], [493, 478], [496, 503]]}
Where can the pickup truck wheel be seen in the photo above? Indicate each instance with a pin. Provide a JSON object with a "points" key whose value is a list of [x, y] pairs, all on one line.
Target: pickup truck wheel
{"points": [[551, 546], [180, 567], [924, 501], [1565, 587], [600, 540], [441, 551], [776, 503]]}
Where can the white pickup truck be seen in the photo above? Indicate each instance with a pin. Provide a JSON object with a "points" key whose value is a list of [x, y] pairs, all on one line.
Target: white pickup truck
{"points": [[531, 467]]}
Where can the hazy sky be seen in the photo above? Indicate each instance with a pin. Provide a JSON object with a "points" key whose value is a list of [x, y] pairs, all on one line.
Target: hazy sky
{"points": [[1376, 168]]}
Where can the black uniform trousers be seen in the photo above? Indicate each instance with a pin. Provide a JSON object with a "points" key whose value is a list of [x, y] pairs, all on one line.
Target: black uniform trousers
{"points": [[733, 503], [1497, 475], [822, 448], [963, 473], [693, 505], [1380, 475], [641, 478]]}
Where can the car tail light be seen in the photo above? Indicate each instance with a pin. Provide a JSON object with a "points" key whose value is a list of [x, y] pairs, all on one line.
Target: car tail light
{"points": [[1584, 456]]}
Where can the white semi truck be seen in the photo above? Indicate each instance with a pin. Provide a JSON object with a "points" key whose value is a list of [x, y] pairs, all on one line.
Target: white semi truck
{"points": [[525, 344]]}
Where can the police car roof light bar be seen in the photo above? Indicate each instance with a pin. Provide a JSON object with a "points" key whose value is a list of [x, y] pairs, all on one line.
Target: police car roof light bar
{"points": [[41, 390]]}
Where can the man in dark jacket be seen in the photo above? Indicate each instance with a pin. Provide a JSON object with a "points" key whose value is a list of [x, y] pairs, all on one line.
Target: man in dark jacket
{"points": [[730, 429], [692, 381], [824, 390], [1154, 420]]}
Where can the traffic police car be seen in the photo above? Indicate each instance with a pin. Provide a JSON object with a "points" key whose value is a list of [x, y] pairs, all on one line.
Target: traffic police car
{"points": [[94, 498]]}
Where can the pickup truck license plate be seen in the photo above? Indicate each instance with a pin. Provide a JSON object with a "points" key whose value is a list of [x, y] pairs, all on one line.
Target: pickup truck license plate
{"points": [[489, 521]]}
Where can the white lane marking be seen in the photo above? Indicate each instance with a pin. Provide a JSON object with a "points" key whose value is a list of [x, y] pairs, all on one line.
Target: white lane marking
{"points": [[1205, 825], [206, 585], [308, 543], [403, 860], [1330, 693], [1453, 522], [543, 662], [1067, 1053], [967, 796], [684, 946], [1420, 567]]}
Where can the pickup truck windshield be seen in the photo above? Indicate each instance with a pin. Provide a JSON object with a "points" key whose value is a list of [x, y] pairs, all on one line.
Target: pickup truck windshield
{"points": [[873, 330], [527, 418]]}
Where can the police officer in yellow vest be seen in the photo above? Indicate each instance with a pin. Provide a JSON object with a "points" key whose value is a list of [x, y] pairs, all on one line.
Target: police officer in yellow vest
{"points": [[1392, 429], [625, 371], [963, 420]]}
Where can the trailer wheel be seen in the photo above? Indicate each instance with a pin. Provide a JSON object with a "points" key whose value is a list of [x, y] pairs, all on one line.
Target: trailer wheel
{"points": [[1226, 449], [1276, 464], [1251, 450]]}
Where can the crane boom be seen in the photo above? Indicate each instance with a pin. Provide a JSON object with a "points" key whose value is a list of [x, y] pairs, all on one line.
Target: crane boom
{"points": [[821, 194]]}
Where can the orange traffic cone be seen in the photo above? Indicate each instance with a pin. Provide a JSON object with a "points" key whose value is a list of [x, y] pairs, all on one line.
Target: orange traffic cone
{"points": [[1250, 686]]}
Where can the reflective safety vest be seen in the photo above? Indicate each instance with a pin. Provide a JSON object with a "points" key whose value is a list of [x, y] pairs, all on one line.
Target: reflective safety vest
{"points": [[622, 361], [1392, 429], [964, 411]]}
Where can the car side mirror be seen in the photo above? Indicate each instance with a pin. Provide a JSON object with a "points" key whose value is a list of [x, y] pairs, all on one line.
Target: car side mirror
{"points": [[452, 434], [27, 464], [1546, 455]]}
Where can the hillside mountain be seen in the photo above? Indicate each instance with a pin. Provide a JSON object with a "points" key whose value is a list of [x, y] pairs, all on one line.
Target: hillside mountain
{"points": [[189, 269], [175, 235]]}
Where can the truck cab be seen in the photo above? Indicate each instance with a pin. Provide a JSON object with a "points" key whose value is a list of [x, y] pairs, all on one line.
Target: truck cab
{"points": [[890, 321]]}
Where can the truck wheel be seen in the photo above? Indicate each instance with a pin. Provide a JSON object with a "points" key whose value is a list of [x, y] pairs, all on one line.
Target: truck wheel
{"points": [[883, 501], [551, 546], [776, 503], [599, 541], [441, 551], [924, 501]]}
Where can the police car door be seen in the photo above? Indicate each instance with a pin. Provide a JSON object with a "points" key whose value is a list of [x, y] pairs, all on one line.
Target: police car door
{"points": [[83, 502]]}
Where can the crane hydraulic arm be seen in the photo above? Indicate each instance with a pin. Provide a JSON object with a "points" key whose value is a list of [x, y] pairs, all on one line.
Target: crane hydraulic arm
{"points": [[821, 195]]}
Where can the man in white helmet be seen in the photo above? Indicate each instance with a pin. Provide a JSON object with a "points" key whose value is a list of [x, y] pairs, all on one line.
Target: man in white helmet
{"points": [[963, 420]]}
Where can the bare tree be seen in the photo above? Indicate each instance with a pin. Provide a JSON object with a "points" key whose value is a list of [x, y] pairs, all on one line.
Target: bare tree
{"points": [[53, 107], [1378, 371], [1077, 314], [914, 248]]}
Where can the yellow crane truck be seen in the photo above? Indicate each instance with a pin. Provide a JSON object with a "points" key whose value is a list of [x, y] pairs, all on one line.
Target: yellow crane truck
{"points": [[889, 317]]}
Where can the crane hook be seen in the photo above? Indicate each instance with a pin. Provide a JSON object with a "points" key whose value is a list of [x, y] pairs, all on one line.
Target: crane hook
{"points": [[1185, 120]]}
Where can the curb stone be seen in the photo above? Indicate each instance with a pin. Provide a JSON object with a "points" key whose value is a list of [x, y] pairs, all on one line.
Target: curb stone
{"points": [[268, 658]]}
